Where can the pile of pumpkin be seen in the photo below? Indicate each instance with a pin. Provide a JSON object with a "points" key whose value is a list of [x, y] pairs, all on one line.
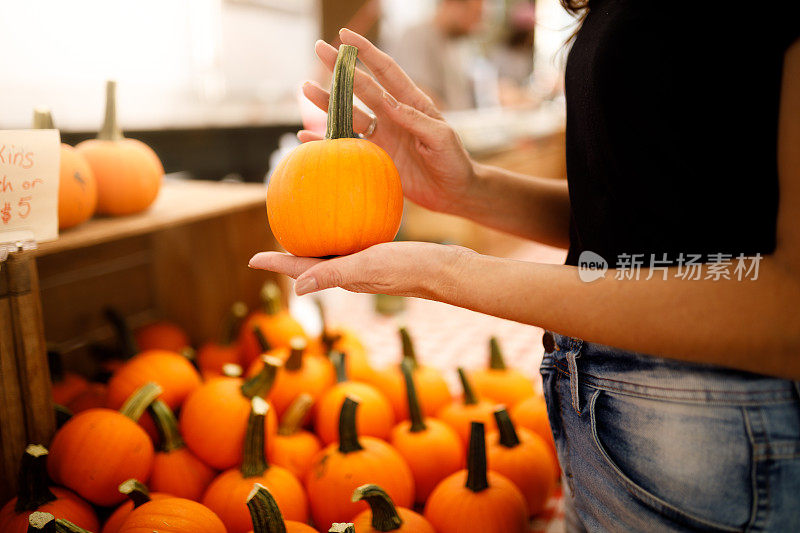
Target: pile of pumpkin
{"points": [[308, 433]]}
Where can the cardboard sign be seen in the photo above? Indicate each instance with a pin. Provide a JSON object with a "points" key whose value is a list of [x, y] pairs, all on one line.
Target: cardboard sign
{"points": [[29, 175]]}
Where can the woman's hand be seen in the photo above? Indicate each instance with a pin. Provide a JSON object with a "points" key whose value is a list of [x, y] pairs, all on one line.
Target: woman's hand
{"points": [[434, 167], [402, 268]]}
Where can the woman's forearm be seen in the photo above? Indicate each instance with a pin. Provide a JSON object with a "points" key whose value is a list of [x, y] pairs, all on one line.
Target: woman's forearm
{"points": [[526, 206]]}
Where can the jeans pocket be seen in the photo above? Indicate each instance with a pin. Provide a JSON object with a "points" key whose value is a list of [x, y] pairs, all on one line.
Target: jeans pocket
{"points": [[690, 463]]}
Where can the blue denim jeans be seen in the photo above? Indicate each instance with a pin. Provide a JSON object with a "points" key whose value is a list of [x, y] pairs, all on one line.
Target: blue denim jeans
{"points": [[650, 444]]}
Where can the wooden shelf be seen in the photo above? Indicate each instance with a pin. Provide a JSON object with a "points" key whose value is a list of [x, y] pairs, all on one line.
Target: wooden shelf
{"points": [[179, 202]]}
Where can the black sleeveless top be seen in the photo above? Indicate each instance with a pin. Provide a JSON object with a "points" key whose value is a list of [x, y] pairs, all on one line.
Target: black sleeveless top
{"points": [[672, 116]]}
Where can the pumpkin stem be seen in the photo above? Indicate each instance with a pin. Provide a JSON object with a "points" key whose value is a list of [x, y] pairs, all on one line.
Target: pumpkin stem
{"points": [[384, 513], [496, 361], [476, 459], [33, 491], [123, 333], [232, 323], [348, 435], [167, 426], [271, 298], [296, 414], [63, 414], [43, 118], [264, 511], [340, 104], [65, 526], [41, 522], [328, 339], [136, 491], [414, 410], [110, 130], [254, 462], [470, 398], [263, 343], [338, 360], [505, 427], [232, 370], [408, 347], [135, 406], [295, 360], [261, 383], [343, 527]]}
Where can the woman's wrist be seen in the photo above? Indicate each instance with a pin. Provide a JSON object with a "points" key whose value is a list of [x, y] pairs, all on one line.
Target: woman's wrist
{"points": [[472, 196]]}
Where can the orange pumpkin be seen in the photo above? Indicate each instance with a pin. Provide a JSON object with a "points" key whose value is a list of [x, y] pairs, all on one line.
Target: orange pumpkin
{"points": [[138, 494], [172, 371], [344, 466], [476, 499], [346, 342], [266, 514], [431, 448], [499, 383], [172, 515], [213, 418], [162, 335], [65, 386], [275, 323], [127, 171], [343, 178], [301, 374], [460, 414], [531, 414], [34, 494], [176, 470], [375, 418], [95, 396], [382, 514], [98, 449], [228, 493], [212, 356], [294, 448]]}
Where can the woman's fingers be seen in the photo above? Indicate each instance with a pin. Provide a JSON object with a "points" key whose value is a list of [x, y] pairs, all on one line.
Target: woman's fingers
{"points": [[364, 86], [319, 97], [435, 134], [283, 263], [306, 135]]}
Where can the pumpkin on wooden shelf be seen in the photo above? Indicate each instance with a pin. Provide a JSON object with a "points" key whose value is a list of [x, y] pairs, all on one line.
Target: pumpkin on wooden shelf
{"points": [[100, 448], [228, 493], [294, 448], [476, 499], [214, 417], [346, 342], [172, 371], [531, 414], [94, 397], [172, 515], [35, 494], [138, 494], [302, 373], [127, 171], [375, 417], [275, 322], [342, 178], [524, 458], [266, 515], [214, 355], [382, 514], [162, 335], [460, 414], [77, 188], [431, 448], [344, 466], [499, 383], [176, 470]]}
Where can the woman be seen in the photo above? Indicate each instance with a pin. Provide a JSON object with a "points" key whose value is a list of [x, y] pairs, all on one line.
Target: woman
{"points": [[683, 136]]}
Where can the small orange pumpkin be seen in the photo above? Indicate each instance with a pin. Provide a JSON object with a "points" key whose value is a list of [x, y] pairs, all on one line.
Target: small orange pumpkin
{"points": [[345, 341], [127, 171], [162, 335], [138, 494], [65, 386], [172, 515], [375, 417], [267, 516], [275, 323], [294, 448], [431, 448], [344, 466], [172, 371], [460, 414], [476, 499], [532, 415], [95, 396], [34, 494], [98, 449], [228, 493], [382, 514], [343, 178], [301, 374], [499, 383], [212, 356]]}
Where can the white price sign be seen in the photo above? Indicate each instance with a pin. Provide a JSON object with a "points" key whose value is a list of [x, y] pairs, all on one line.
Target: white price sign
{"points": [[29, 174]]}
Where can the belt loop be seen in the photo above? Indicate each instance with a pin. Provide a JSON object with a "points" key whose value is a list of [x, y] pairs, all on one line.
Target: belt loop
{"points": [[572, 354]]}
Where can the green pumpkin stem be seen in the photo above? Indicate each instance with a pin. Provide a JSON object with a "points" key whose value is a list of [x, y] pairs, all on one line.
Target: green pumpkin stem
{"points": [[39, 522], [328, 340], [339, 365], [135, 406], [261, 339], [408, 347], [232, 323], [254, 460], [384, 513], [136, 491], [261, 383], [264, 511], [414, 410], [295, 360], [271, 298], [295, 414], [63, 414], [65, 526], [496, 361], [343, 527], [167, 426], [110, 130], [505, 428], [43, 118], [470, 398], [340, 104], [33, 491], [477, 479], [348, 434]]}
